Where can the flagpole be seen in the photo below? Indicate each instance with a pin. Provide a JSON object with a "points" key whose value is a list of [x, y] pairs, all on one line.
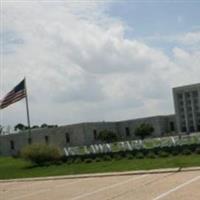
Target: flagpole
{"points": [[27, 108]]}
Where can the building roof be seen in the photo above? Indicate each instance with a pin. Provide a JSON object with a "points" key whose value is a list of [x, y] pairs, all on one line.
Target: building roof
{"points": [[187, 86]]}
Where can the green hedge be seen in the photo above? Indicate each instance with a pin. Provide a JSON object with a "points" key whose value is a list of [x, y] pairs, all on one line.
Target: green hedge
{"points": [[41, 154], [137, 153]]}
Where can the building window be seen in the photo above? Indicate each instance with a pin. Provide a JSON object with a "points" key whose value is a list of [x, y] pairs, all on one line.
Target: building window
{"points": [[67, 137], [187, 94], [172, 128], [195, 94], [196, 101], [127, 132], [183, 116], [29, 140], [180, 96], [12, 145], [181, 103], [191, 128], [183, 129], [47, 139], [95, 134]]}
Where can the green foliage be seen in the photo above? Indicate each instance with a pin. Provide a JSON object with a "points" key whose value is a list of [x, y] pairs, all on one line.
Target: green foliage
{"points": [[70, 161], [1, 129], [41, 154], [139, 155], [20, 127], [98, 159], [107, 136], [117, 156], [144, 130], [48, 126], [151, 154], [107, 158], [88, 160], [34, 127], [186, 151], [129, 156], [197, 151], [77, 160], [44, 126], [163, 154]]}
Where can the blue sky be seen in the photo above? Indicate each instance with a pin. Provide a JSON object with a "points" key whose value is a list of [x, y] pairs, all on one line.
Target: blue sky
{"points": [[157, 17], [97, 60]]}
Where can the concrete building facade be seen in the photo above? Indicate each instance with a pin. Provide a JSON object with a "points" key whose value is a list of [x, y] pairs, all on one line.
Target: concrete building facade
{"points": [[187, 108], [84, 133]]}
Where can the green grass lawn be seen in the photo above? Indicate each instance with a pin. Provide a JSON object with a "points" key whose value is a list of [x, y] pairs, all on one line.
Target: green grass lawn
{"points": [[17, 168]]}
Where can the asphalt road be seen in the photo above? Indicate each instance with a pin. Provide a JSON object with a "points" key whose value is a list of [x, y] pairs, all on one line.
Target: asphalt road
{"points": [[164, 186]]}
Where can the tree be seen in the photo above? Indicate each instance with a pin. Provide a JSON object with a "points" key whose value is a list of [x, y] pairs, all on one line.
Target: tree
{"points": [[35, 126], [20, 127], [1, 129], [48, 126], [144, 130], [44, 126], [107, 136]]}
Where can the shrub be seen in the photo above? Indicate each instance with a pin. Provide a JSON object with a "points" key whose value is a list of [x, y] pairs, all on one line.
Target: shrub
{"points": [[197, 150], [88, 160], [98, 159], [41, 154], [139, 155], [163, 154], [70, 161], [117, 156], [186, 151], [151, 154], [129, 156], [77, 160], [107, 158], [175, 151], [64, 158]]}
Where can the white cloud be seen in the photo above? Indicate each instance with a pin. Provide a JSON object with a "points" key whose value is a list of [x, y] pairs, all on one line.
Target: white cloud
{"points": [[191, 38], [82, 68]]}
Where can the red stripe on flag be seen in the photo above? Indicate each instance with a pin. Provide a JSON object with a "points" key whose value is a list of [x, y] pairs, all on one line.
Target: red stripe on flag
{"points": [[12, 98]]}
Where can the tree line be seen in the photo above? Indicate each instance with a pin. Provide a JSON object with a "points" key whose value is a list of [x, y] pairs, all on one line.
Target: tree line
{"points": [[21, 126], [142, 131]]}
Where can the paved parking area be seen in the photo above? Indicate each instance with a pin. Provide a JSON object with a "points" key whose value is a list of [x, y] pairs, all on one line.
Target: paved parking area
{"points": [[164, 186]]}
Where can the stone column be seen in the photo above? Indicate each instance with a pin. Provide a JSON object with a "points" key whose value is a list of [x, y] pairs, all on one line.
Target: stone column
{"points": [[177, 113], [193, 112], [186, 112]]}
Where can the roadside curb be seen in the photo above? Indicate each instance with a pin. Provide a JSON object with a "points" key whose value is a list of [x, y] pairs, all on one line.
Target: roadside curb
{"points": [[142, 172]]}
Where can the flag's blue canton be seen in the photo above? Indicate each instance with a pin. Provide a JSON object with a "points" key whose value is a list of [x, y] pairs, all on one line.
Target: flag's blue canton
{"points": [[20, 86]]}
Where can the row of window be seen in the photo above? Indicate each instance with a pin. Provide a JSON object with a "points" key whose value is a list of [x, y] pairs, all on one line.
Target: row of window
{"points": [[127, 130], [188, 95], [46, 138], [191, 128]]}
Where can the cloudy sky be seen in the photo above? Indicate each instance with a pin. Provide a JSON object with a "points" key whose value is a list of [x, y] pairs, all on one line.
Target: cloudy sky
{"points": [[88, 60]]}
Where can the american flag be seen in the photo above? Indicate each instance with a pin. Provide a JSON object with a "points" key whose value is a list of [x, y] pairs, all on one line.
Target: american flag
{"points": [[16, 94]]}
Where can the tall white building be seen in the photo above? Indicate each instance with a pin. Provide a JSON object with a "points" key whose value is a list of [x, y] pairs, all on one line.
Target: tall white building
{"points": [[187, 107]]}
